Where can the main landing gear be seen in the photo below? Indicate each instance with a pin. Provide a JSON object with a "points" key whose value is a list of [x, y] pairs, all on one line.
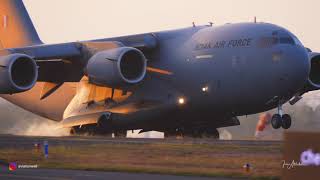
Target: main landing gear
{"points": [[194, 132], [281, 120]]}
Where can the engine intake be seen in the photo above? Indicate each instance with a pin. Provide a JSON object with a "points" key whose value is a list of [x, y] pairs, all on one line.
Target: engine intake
{"points": [[18, 73], [314, 75], [117, 67]]}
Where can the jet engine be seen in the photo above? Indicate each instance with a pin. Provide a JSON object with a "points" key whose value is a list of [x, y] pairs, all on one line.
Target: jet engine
{"points": [[117, 67], [314, 76], [18, 73]]}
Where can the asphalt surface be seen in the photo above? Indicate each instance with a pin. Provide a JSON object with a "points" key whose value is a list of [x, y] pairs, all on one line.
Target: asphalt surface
{"points": [[53, 174], [11, 141], [27, 141]]}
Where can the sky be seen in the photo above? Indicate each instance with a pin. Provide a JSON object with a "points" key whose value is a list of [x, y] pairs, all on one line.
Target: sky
{"points": [[71, 20]]}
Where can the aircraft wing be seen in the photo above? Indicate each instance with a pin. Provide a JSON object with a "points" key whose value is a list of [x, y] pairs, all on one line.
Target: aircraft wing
{"points": [[43, 78], [60, 64], [65, 62]]}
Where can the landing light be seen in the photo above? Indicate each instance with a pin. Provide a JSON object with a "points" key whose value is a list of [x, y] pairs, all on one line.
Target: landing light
{"points": [[181, 101], [205, 89]]}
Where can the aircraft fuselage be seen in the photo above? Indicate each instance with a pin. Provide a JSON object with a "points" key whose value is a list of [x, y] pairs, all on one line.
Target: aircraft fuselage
{"points": [[236, 68]]}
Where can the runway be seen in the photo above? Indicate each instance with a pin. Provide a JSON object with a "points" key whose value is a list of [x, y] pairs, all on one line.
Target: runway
{"points": [[27, 141], [54, 174], [108, 158]]}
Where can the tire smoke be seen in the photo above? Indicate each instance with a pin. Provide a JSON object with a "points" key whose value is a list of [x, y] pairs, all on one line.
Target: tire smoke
{"points": [[17, 121]]}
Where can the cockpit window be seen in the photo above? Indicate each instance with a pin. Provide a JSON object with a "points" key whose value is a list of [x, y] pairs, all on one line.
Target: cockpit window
{"points": [[266, 42], [287, 40], [297, 41], [278, 37]]}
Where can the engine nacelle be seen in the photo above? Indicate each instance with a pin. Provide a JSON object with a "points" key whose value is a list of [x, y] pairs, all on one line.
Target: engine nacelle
{"points": [[117, 67], [18, 73], [314, 76]]}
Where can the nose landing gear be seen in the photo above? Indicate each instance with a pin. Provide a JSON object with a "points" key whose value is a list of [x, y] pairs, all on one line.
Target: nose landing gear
{"points": [[281, 120]]}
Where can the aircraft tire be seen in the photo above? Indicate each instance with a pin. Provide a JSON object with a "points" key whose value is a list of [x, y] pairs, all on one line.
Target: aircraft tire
{"points": [[75, 130], [276, 121], [72, 131], [211, 133], [120, 134], [286, 121]]}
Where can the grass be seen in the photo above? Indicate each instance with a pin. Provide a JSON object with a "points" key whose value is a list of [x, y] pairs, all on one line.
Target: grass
{"points": [[177, 159]]}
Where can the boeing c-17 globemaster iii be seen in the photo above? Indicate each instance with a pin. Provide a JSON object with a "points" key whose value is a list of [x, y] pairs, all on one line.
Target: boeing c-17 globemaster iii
{"points": [[187, 82]]}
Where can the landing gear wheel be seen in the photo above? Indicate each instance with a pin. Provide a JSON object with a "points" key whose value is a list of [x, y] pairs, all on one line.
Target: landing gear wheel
{"points": [[120, 134], [169, 134], [211, 133], [73, 131], [276, 121], [286, 121], [177, 133], [216, 134], [196, 133]]}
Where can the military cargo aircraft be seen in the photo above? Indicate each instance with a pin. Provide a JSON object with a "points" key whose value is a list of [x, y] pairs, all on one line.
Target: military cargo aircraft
{"points": [[187, 82]]}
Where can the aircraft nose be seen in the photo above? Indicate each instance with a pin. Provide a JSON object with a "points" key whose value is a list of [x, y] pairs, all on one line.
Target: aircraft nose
{"points": [[296, 66]]}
